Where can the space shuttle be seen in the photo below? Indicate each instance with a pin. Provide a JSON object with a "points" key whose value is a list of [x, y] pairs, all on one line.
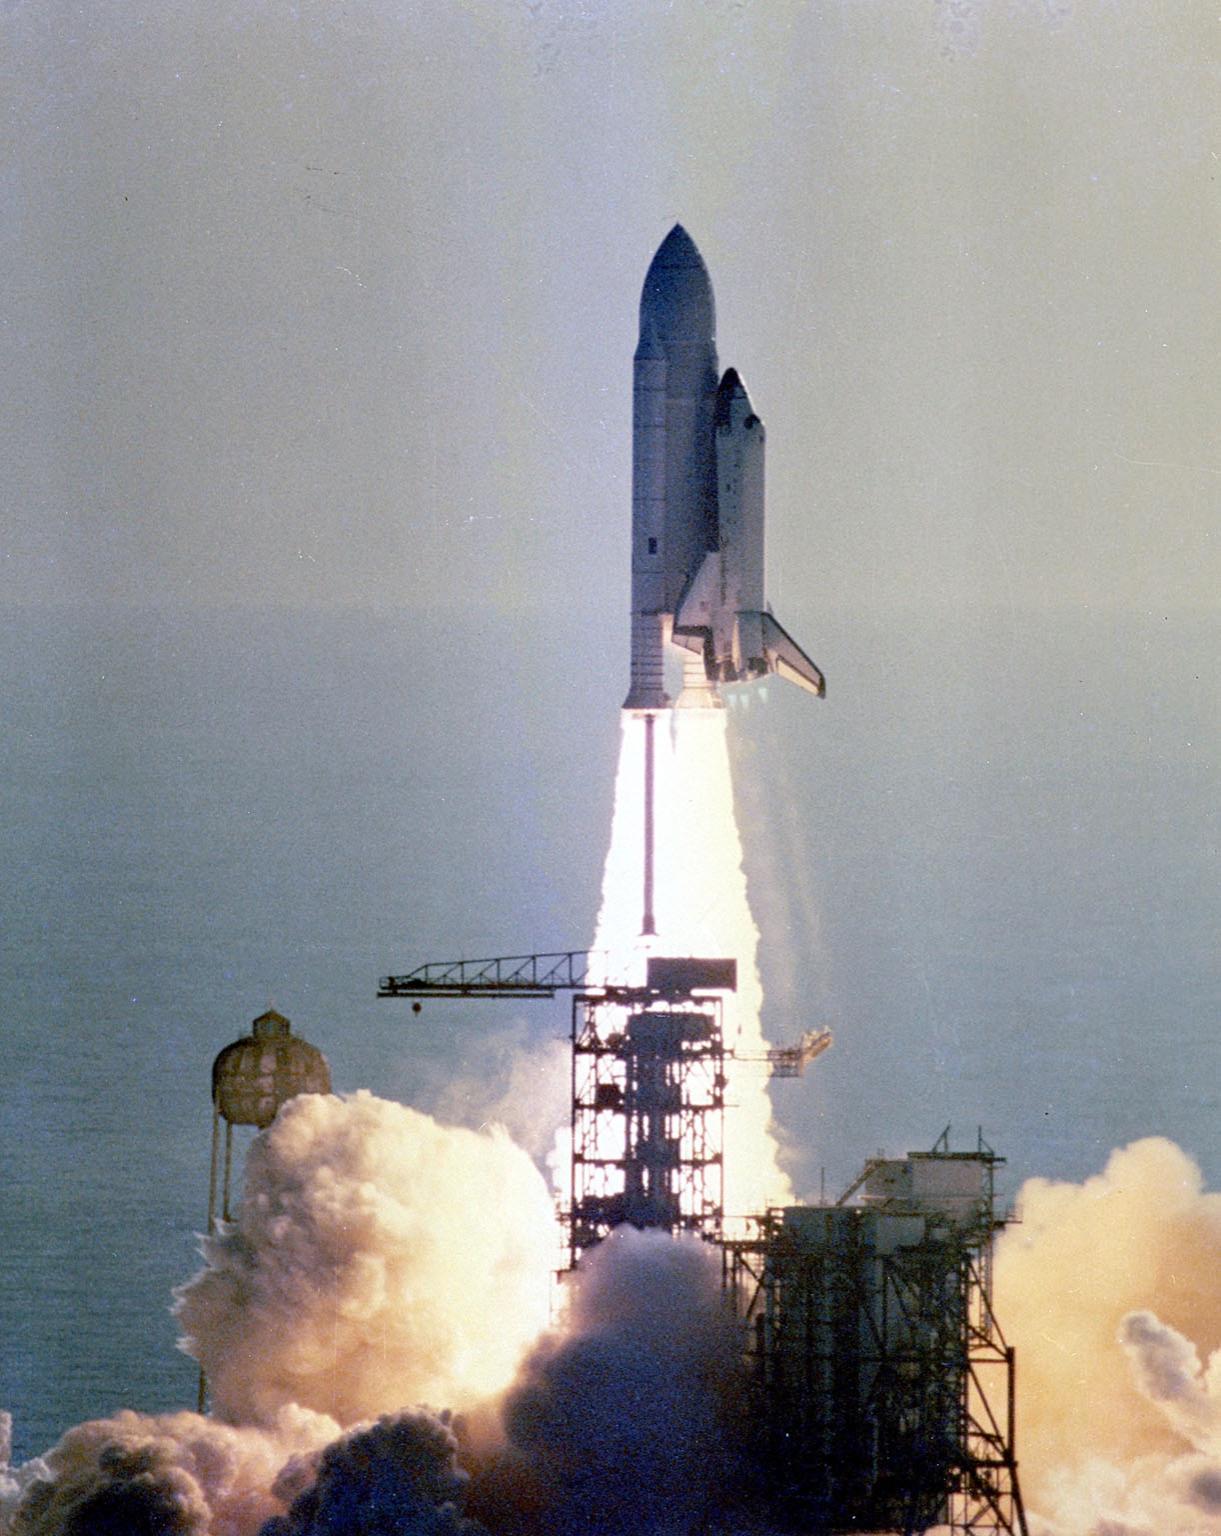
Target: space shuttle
{"points": [[697, 504]]}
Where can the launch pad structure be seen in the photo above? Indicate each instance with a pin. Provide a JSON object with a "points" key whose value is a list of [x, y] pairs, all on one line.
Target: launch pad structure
{"points": [[880, 1386], [648, 1113], [883, 1384], [648, 1082]]}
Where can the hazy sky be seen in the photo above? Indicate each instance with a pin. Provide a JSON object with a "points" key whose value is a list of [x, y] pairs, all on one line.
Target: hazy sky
{"points": [[333, 307], [324, 305]]}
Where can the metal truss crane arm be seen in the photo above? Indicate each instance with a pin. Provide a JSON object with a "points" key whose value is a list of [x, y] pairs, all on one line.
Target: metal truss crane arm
{"points": [[521, 976], [789, 1060], [569, 970]]}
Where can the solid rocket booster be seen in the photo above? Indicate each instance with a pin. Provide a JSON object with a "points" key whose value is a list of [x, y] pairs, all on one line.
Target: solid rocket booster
{"points": [[697, 502]]}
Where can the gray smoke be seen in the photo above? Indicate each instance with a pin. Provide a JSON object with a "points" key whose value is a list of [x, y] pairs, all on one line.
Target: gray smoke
{"points": [[1204, 1489], [133, 1490], [1168, 1371], [175, 1474], [398, 1477], [620, 1422]]}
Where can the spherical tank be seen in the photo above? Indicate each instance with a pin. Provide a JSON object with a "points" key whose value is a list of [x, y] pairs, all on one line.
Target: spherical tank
{"points": [[255, 1075]]}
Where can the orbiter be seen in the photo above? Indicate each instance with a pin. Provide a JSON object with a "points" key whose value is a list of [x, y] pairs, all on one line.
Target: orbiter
{"points": [[697, 502]]}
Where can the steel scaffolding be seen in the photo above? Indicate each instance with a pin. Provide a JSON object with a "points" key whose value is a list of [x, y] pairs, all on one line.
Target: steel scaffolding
{"points": [[648, 1109], [883, 1386]]}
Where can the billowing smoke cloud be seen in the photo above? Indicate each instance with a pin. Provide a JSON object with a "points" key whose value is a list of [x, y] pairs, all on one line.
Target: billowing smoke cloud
{"points": [[399, 1477], [171, 1475], [622, 1422], [378, 1260], [1168, 1371], [1109, 1291]]}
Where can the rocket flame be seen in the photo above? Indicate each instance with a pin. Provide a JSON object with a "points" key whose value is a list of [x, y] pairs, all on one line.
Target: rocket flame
{"points": [[701, 908]]}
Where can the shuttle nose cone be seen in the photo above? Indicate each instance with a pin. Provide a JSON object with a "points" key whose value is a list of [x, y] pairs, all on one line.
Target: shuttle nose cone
{"points": [[677, 295]]}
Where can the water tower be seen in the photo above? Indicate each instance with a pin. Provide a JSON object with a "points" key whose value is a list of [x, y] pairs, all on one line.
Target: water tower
{"points": [[251, 1079]]}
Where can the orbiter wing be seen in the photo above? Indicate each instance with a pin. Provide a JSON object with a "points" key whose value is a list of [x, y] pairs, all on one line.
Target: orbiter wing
{"points": [[786, 658], [762, 645]]}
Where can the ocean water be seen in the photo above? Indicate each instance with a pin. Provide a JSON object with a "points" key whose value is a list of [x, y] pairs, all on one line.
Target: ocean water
{"points": [[988, 861]]}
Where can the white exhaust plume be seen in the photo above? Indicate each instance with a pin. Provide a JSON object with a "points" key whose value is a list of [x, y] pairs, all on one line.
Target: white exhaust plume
{"points": [[378, 1259], [519, 1082], [701, 908], [1108, 1290]]}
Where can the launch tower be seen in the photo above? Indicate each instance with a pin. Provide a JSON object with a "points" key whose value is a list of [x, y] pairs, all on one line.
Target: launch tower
{"points": [[648, 1104]]}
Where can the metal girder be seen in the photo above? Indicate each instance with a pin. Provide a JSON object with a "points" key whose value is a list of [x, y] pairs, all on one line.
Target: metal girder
{"points": [[538, 976], [885, 1387], [790, 1060], [542, 976]]}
